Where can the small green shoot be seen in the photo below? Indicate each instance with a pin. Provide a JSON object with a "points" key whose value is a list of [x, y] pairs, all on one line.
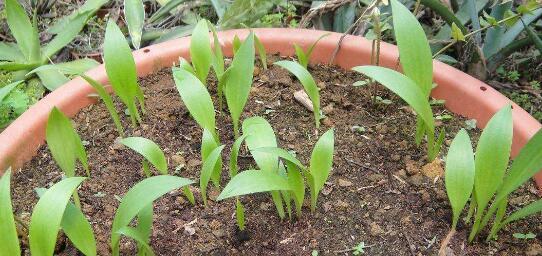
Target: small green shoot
{"points": [[136, 200], [524, 236], [212, 165], [121, 70], [64, 143], [308, 84], [303, 57]]}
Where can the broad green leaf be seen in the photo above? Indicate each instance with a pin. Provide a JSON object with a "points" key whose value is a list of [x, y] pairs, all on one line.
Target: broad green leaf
{"points": [[78, 230], [234, 169], [459, 175], [201, 54], [4, 91], [344, 17], [405, 88], [134, 13], [239, 81], [47, 216], [108, 101], [89, 8], [414, 51], [121, 70], [208, 144], [253, 181], [144, 226], [52, 79], [517, 28], [308, 84], [260, 134], [148, 149], [494, 35], [526, 164], [10, 52], [196, 98], [17, 66], [75, 67], [279, 152], [208, 169], [9, 239], [240, 214], [140, 196], [137, 236], [261, 51], [528, 210], [64, 143], [320, 164], [492, 156], [23, 30], [65, 36], [295, 180]]}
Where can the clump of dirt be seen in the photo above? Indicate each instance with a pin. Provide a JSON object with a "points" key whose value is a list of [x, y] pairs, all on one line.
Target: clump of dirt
{"points": [[381, 191]]}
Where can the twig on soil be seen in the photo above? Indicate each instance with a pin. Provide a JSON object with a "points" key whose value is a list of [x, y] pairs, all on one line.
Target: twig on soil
{"points": [[410, 244], [445, 242]]}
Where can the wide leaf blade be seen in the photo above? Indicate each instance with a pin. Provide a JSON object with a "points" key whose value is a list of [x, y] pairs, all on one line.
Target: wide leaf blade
{"points": [[47, 216], [260, 134], [60, 141], [459, 175], [64, 37], [10, 240], [78, 230], [322, 159], [23, 30], [4, 91], [279, 152], [201, 54], [253, 181], [148, 149]]}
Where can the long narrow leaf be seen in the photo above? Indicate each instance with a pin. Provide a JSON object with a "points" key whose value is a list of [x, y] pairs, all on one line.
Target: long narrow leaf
{"points": [[134, 13], [52, 79], [65, 36], [536, 40], [75, 67], [108, 101], [47, 216], [308, 84], [207, 170], [137, 236], [10, 52], [9, 239], [253, 181], [320, 164], [148, 149], [78, 230], [493, 38], [512, 33], [201, 54], [234, 169], [208, 145], [4, 91], [89, 8], [23, 30], [528, 210], [139, 196], [260, 134], [459, 175]]}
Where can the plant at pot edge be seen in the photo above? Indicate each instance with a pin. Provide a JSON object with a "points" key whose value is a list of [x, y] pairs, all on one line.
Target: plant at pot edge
{"points": [[415, 86], [482, 176], [53, 211]]}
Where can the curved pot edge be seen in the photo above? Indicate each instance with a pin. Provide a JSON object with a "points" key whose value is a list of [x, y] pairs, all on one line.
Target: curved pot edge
{"points": [[464, 94]]}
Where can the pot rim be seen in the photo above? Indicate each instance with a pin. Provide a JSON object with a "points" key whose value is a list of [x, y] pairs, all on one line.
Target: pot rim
{"points": [[463, 94]]}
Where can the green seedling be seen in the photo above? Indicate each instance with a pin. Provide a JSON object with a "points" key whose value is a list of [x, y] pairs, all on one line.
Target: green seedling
{"points": [[154, 155], [308, 84], [65, 145], [28, 54], [108, 101], [121, 70], [10, 239], [53, 212], [491, 184], [416, 84], [201, 52], [303, 57], [134, 14], [136, 203], [212, 166], [262, 53]]}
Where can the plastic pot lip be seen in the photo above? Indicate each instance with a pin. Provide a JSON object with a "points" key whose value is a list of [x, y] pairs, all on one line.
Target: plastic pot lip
{"points": [[464, 94]]}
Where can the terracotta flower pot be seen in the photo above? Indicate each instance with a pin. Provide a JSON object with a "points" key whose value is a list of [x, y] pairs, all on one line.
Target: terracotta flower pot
{"points": [[464, 94]]}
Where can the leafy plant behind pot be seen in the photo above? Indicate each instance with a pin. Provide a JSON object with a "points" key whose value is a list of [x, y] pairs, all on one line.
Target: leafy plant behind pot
{"points": [[308, 84], [27, 54], [54, 211], [135, 203], [121, 70], [415, 57]]}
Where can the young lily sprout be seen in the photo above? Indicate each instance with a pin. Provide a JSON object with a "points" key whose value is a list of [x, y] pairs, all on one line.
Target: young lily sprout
{"points": [[308, 84], [201, 53], [303, 57], [138, 203], [10, 239], [121, 70], [53, 212], [416, 84]]}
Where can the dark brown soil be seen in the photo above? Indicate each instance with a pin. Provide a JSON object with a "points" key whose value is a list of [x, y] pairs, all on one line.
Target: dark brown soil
{"points": [[379, 193]]}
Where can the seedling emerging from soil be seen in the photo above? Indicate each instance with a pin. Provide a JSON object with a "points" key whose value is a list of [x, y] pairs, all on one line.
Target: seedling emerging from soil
{"points": [[485, 173], [121, 70], [10, 240], [415, 85], [136, 203], [154, 155], [54, 211], [108, 101], [308, 84], [304, 57]]}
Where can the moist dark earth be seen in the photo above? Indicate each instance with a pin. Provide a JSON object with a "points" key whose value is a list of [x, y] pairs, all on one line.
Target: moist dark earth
{"points": [[381, 190]]}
